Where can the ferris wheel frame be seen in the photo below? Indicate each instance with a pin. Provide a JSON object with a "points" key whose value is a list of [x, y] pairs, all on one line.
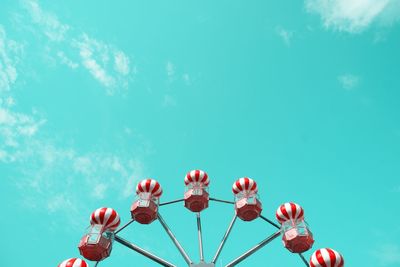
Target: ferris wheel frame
{"points": [[188, 260]]}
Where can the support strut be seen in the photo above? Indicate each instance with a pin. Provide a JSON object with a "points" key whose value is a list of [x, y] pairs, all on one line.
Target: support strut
{"points": [[228, 231], [304, 260], [143, 252], [253, 250], [171, 202], [199, 233], [176, 242], [270, 222], [123, 227], [222, 201]]}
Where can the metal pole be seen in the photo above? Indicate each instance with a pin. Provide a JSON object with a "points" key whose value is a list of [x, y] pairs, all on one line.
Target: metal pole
{"points": [[176, 242], [228, 231], [143, 252], [304, 260], [200, 236], [222, 201], [171, 202], [270, 222], [123, 227], [254, 249], [95, 265]]}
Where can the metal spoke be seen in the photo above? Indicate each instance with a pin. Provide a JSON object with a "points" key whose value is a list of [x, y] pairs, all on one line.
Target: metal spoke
{"points": [[304, 259], [226, 235], [253, 250], [176, 242], [171, 202], [200, 236], [123, 227], [222, 201], [270, 222], [143, 252]]}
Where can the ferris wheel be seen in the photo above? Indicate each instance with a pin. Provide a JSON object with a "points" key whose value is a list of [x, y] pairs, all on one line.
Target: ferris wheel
{"points": [[96, 244]]}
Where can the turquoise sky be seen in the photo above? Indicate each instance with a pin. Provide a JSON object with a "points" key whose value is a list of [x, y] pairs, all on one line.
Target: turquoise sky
{"points": [[302, 96]]}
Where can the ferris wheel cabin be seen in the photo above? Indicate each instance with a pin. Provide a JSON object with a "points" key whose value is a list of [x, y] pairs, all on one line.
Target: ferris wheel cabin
{"points": [[145, 208], [247, 204], [196, 190], [296, 235], [96, 244]]}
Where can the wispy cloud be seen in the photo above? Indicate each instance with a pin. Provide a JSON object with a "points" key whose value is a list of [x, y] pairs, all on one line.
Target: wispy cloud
{"points": [[354, 16], [187, 79], [107, 64], [53, 179], [170, 70], [388, 255], [169, 101], [10, 53], [285, 34], [67, 61], [50, 24], [349, 81], [16, 128]]}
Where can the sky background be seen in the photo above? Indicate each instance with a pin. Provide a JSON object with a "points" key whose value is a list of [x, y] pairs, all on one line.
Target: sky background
{"points": [[302, 96]]}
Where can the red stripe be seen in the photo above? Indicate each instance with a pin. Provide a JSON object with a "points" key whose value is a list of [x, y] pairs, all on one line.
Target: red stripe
{"points": [[254, 185], [246, 183], [189, 177], [301, 215], [196, 175], [284, 212], [111, 218], [238, 185], [341, 264], [101, 215], [140, 187], [156, 187], [294, 210], [204, 178], [70, 263], [320, 259], [94, 218], [332, 256], [148, 183]]}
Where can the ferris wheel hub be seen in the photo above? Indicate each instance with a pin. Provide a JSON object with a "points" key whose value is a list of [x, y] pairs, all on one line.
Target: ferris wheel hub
{"points": [[203, 264]]}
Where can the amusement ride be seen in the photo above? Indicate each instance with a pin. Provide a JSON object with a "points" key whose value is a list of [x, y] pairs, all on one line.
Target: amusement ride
{"points": [[104, 229]]}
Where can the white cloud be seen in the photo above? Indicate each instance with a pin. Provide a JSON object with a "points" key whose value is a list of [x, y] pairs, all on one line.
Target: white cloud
{"points": [[87, 48], [99, 191], [354, 15], [52, 27], [16, 130], [10, 52], [388, 255], [95, 56], [285, 35], [66, 61], [107, 64], [121, 62], [349, 81]]}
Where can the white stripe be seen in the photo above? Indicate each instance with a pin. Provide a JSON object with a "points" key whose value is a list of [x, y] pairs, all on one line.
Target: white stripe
{"points": [[325, 256], [97, 216], [107, 215], [314, 259], [338, 258]]}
